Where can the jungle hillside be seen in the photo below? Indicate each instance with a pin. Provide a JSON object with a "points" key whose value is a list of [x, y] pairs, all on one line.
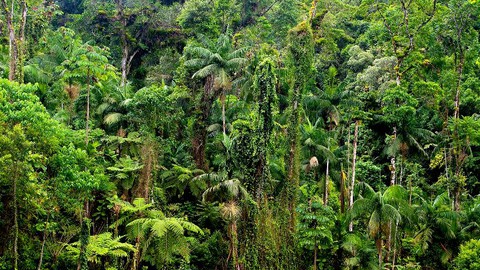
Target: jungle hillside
{"points": [[239, 134]]}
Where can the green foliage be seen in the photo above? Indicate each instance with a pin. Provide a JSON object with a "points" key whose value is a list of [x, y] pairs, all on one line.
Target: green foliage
{"points": [[468, 256], [235, 122], [197, 17], [315, 225], [167, 232], [102, 246]]}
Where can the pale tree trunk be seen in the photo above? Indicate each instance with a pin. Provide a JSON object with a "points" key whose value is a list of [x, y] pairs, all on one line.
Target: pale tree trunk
{"points": [[325, 191], [459, 151], [313, 11], [354, 161], [43, 243], [222, 99], [16, 44], [15, 217], [88, 109], [389, 241], [126, 64], [13, 48], [21, 44], [402, 164], [342, 190], [136, 254], [393, 161], [292, 165], [127, 55], [456, 113], [395, 245], [379, 250], [123, 81]]}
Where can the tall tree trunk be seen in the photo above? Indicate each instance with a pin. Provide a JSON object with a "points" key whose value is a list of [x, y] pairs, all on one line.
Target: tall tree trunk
{"points": [[84, 239], [236, 263], [293, 164], [394, 245], [15, 217], [21, 44], [325, 190], [456, 195], [379, 250], [313, 11], [199, 138], [136, 254], [43, 243], [456, 113], [342, 191], [459, 152], [123, 81], [392, 161], [13, 48], [124, 41], [88, 108], [222, 99], [389, 241], [354, 161], [315, 251], [148, 155]]}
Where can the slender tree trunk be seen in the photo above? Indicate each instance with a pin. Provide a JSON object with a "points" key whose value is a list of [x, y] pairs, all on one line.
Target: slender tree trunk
{"points": [[342, 191], [394, 245], [348, 151], [199, 138], [313, 11], [222, 99], [15, 217], [84, 239], [460, 57], [325, 191], [392, 161], [124, 41], [456, 113], [379, 250], [136, 254], [43, 243], [410, 191], [88, 108], [13, 48], [400, 178], [459, 151], [21, 44], [457, 199], [236, 263], [293, 168], [354, 161], [389, 241], [315, 251], [123, 81]]}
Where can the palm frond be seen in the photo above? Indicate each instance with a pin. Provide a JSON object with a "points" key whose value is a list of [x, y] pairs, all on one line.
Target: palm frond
{"points": [[199, 51], [112, 118], [205, 71], [238, 53]]}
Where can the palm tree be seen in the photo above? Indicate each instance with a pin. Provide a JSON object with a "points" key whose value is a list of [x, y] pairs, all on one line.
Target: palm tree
{"points": [[230, 193], [114, 109], [318, 143], [215, 63], [382, 210], [437, 228], [362, 252]]}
